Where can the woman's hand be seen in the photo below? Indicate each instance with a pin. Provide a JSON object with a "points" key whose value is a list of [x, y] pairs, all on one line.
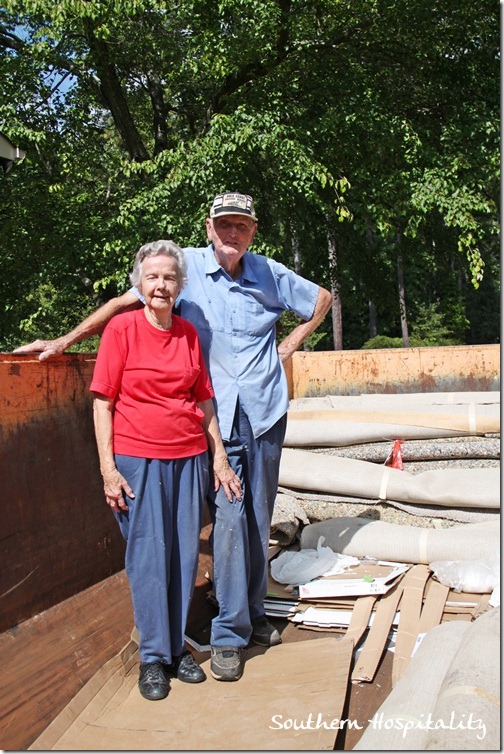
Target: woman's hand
{"points": [[113, 484], [224, 474]]}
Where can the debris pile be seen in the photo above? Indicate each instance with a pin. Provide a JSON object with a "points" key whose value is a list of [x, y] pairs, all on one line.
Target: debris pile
{"points": [[416, 590]]}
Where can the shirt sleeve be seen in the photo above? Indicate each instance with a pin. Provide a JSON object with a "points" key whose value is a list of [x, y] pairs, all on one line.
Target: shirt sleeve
{"points": [[109, 365], [295, 292], [134, 290]]}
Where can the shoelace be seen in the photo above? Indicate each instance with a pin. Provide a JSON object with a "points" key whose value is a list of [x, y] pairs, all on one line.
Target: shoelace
{"points": [[188, 661], [154, 674]]}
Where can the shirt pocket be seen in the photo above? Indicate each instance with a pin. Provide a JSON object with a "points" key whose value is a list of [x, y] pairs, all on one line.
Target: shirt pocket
{"points": [[191, 376], [253, 308], [257, 319]]}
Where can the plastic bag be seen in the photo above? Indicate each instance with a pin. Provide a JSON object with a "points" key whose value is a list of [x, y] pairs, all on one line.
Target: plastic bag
{"points": [[478, 576], [304, 565]]}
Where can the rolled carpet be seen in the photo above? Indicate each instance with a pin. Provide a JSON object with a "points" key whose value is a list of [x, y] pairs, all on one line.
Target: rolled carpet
{"points": [[362, 537]]}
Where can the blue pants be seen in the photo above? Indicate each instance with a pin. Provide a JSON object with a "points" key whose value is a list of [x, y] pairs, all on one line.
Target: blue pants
{"points": [[161, 529], [241, 530]]}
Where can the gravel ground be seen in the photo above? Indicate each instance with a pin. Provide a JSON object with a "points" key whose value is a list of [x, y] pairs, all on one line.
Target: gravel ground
{"points": [[418, 456]]}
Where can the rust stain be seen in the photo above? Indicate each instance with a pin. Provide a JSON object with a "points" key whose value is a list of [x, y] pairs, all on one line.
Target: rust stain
{"points": [[443, 369]]}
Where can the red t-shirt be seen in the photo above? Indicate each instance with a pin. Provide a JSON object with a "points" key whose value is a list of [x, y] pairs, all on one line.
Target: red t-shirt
{"points": [[156, 378]]}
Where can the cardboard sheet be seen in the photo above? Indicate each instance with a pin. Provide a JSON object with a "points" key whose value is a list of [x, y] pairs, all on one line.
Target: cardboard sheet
{"points": [[374, 645], [322, 616], [303, 681], [341, 587], [360, 619], [434, 605], [411, 607]]}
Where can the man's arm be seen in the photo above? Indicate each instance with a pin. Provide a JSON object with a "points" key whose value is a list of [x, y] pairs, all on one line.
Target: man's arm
{"points": [[92, 325], [292, 342]]}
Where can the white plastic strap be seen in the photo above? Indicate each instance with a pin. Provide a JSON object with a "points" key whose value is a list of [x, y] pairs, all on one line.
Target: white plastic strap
{"points": [[422, 546], [472, 418], [383, 487]]}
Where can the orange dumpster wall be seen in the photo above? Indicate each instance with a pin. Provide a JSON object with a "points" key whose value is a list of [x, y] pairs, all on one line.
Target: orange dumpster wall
{"points": [[58, 537], [394, 370]]}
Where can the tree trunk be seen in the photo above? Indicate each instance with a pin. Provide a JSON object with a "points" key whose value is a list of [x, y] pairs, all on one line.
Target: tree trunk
{"points": [[113, 96], [402, 296], [296, 257], [296, 253], [337, 319], [373, 319], [373, 316], [159, 110]]}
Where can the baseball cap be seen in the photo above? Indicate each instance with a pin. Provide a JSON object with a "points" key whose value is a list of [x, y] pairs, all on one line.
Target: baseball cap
{"points": [[233, 204]]}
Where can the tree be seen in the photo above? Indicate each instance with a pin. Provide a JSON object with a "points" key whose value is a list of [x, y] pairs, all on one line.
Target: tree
{"points": [[134, 114]]}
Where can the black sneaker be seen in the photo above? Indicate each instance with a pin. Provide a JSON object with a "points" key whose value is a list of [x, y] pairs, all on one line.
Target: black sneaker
{"points": [[186, 669], [226, 663], [264, 634], [153, 683]]}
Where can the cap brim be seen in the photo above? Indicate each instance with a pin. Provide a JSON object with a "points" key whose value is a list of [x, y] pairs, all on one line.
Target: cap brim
{"points": [[235, 211]]}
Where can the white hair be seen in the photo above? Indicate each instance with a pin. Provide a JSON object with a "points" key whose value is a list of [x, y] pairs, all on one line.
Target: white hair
{"points": [[154, 249]]}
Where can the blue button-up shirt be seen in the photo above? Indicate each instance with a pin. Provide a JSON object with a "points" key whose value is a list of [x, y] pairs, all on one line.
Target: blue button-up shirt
{"points": [[236, 322]]}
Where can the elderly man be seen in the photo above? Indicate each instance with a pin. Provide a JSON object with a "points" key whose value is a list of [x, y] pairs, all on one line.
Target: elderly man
{"points": [[234, 298]]}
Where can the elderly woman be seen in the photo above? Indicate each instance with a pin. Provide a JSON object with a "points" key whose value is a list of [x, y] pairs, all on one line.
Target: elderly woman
{"points": [[154, 422]]}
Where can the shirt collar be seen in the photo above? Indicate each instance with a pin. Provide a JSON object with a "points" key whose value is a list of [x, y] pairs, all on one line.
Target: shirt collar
{"points": [[211, 264]]}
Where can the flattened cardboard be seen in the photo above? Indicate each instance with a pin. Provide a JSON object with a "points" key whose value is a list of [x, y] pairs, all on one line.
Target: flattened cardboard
{"points": [[279, 602], [360, 618], [374, 645], [340, 587], [434, 605], [413, 585], [321, 616], [482, 606], [275, 589], [303, 681]]}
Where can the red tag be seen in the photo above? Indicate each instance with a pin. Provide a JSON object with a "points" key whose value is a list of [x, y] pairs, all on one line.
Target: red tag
{"points": [[394, 458]]}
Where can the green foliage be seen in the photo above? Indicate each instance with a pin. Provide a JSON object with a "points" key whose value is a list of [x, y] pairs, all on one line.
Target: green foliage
{"points": [[317, 341], [383, 341], [430, 329], [374, 121]]}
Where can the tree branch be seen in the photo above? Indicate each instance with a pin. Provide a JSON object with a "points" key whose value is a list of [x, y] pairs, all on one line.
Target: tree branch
{"points": [[113, 96], [159, 110], [256, 69]]}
